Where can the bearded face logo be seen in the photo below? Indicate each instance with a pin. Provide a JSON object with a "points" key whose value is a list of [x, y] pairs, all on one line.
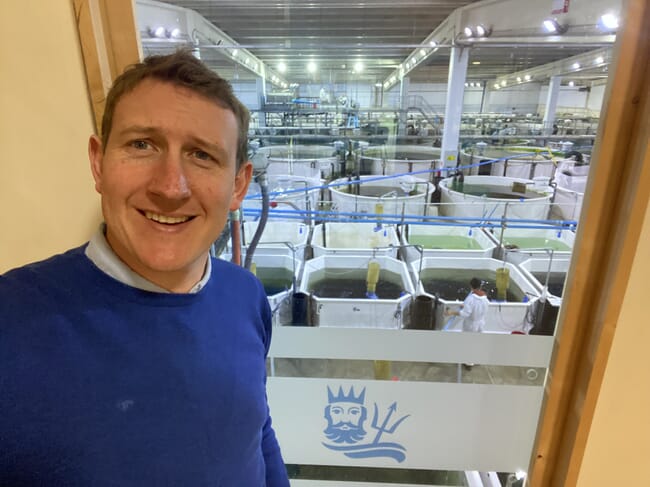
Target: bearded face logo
{"points": [[346, 413], [345, 422]]}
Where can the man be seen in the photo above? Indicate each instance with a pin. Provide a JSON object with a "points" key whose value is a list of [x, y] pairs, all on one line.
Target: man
{"points": [[474, 308], [136, 360]]}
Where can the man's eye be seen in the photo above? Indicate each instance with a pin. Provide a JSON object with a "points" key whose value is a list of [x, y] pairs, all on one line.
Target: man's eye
{"points": [[204, 156], [140, 144]]}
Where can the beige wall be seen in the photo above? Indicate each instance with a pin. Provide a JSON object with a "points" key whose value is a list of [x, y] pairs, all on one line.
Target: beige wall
{"points": [[47, 199], [618, 446]]}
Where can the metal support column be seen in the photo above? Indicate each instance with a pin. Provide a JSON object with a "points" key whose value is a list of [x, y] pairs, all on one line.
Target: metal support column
{"points": [[454, 105], [551, 104]]}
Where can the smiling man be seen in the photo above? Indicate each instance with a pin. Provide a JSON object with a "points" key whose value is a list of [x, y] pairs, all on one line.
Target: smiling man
{"points": [[137, 359]]}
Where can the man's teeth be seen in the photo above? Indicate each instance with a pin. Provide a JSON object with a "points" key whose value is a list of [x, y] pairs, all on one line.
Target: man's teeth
{"points": [[165, 219]]}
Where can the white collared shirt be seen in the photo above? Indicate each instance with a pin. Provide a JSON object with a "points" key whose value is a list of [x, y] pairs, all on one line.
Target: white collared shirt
{"points": [[103, 256]]}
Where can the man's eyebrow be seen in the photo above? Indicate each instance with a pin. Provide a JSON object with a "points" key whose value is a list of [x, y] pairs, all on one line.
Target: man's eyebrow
{"points": [[139, 129], [210, 146]]}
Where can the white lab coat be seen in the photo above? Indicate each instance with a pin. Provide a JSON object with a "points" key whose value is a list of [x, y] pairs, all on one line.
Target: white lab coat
{"points": [[473, 312]]}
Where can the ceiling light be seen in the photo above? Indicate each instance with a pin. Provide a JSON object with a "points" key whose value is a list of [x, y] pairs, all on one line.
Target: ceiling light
{"points": [[423, 52], [496, 86], [433, 43], [234, 52], [480, 31], [358, 67], [386, 84], [503, 83], [609, 21], [599, 60], [571, 83], [311, 67], [466, 85], [158, 32], [527, 77], [468, 31], [282, 67], [175, 33], [478, 84], [476, 62], [377, 85], [552, 26], [518, 79], [575, 66]]}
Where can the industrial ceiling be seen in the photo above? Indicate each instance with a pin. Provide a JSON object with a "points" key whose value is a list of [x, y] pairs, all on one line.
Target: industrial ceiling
{"points": [[368, 40]]}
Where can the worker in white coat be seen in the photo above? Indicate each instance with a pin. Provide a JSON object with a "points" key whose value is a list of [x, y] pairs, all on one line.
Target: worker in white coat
{"points": [[474, 308]]}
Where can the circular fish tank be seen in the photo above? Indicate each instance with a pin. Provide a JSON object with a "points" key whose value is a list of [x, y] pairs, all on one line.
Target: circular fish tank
{"points": [[391, 196], [397, 159], [515, 161], [490, 197], [313, 161], [288, 195]]}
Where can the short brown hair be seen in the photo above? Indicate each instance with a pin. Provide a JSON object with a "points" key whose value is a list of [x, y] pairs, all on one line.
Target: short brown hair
{"points": [[182, 69]]}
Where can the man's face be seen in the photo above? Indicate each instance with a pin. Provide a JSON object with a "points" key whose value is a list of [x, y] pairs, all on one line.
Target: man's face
{"points": [[168, 178]]}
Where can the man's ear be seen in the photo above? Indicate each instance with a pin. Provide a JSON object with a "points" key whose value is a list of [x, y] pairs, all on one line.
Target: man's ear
{"points": [[242, 180], [96, 155]]}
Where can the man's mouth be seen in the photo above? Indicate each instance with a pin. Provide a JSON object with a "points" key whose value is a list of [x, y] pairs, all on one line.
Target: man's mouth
{"points": [[167, 220]]}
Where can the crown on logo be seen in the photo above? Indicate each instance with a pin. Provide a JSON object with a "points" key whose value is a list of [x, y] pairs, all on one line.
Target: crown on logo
{"points": [[349, 397]]}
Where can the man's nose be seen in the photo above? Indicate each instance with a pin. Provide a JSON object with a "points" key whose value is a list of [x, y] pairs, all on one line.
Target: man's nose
{"points": [[169, 178]]}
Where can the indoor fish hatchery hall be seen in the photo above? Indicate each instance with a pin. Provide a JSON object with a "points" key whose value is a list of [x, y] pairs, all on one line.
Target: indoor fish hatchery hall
{"points": [[447, 212]]}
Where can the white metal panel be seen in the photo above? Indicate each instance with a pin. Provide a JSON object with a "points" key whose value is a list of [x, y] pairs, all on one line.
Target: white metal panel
{"points": [[411, 346], [439, 426]]}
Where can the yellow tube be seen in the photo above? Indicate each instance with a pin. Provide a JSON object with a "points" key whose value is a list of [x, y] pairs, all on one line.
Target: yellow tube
{"points": [[253, 268], [503, 280], [373, 277]]}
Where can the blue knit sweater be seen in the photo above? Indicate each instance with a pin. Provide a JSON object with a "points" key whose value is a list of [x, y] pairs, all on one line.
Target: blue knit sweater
{"points": [[102, 384]]}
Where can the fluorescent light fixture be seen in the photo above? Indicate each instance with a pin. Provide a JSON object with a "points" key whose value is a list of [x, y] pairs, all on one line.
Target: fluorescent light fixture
{"points": [[552, 26], [358, 67], [282, 67], [386, 84], [433, 43], [476, 62], [609, 21], [423, 52], [599, 60], [575, 66], [311, 67]]}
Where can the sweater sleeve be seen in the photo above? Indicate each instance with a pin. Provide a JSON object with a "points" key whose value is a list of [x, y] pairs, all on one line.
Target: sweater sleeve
{"points": [[276, 472]]}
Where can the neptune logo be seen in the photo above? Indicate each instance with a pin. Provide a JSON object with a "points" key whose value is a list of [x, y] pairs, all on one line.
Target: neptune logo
{"points": [[346, 414]]}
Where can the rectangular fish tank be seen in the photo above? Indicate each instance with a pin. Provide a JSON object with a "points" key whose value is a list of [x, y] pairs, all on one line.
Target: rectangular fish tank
{"points": [[446, 241], [448, 280], [278, 238], [337, 288], [520, 244], [537, 270], [358, 238], [278, 274]]}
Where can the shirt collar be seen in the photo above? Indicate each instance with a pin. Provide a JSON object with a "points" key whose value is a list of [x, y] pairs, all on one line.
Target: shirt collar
{"points": [[102, 255]]}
